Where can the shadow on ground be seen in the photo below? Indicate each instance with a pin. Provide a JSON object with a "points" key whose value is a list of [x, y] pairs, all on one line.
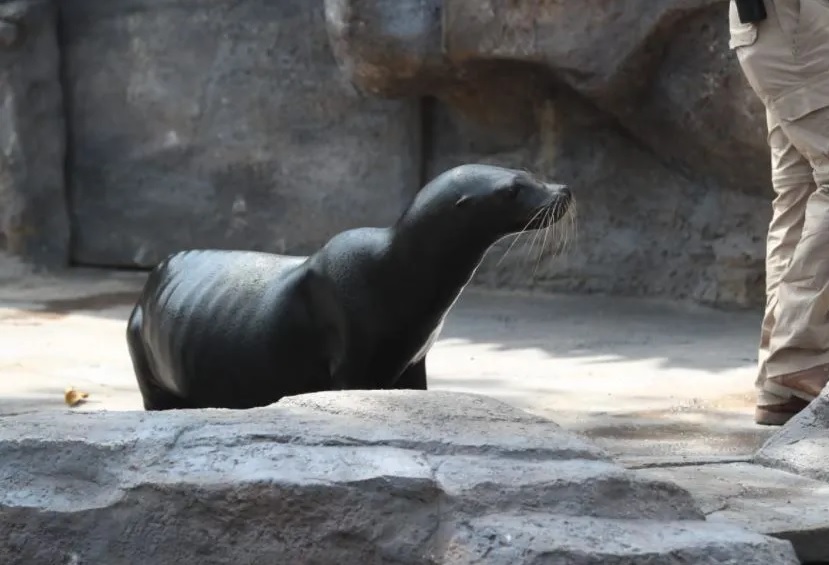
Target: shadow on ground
{"points": [[606, 330]]}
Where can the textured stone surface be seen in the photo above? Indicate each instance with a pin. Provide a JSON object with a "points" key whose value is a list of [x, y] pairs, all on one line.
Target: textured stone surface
{"points": [[663, 69], [222, 124], [802, 445], [697, 113], [402, 477], [34, 222], [537, 539], [570, 39], [764, 500], [387, 47]]}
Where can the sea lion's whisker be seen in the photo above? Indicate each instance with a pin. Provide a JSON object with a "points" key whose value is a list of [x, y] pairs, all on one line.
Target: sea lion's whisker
{"points": [[561, 230], [569, 228], [573, 222], [550, 230], [536, 234], [541, 229], [517, 237], [546, 224], [541, 234]]}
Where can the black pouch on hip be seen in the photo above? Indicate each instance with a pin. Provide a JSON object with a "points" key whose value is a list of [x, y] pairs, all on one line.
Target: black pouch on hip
{"points": [[751, 10]]}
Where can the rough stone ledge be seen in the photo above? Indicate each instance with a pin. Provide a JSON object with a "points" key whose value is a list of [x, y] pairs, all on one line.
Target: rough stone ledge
{"points": [[802, 445], [369, 477], [769, 501], [583, 540], [797, 456]]}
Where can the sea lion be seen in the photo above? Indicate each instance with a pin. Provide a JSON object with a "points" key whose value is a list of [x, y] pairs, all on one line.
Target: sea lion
{"points": [[241, 329]]}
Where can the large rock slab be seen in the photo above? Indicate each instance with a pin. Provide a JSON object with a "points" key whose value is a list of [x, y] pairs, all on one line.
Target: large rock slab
{"points": [[802, 444], [769, 501], [34, 221], [369, 477], [222, 124]]}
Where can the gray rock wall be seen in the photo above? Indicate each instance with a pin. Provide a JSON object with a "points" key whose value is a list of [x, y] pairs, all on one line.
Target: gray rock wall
{"points": [[641, 228], [640, 106], [34, 220], [273, 125], [222, 124]]}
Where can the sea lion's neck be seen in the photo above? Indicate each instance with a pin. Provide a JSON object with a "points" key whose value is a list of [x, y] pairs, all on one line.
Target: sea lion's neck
{"points": [[439, 265]]}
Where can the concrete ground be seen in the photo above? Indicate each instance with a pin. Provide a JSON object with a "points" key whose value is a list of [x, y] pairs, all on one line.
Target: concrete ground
{"points": [[651, 382]]}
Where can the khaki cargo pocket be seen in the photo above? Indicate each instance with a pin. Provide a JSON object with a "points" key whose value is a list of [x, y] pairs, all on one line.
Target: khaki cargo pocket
{"points": [[804, 116], [811, 96], [741, 34]]}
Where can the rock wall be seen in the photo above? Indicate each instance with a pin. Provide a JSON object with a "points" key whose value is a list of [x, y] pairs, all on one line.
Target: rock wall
{"points": [[222, 124], [639, 105], [273, 125], [34, 221]]}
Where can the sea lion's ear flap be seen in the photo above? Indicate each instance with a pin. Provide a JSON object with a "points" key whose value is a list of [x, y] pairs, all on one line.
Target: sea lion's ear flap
{"points": [[463, 200]]}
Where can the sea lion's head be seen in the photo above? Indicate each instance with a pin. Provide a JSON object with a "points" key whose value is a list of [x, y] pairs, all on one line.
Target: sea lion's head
{"points": [[496, 199]]}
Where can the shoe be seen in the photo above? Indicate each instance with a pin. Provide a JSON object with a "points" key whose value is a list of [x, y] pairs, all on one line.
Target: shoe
{"points": [[778, 413], [805, 384], [783, 396]]}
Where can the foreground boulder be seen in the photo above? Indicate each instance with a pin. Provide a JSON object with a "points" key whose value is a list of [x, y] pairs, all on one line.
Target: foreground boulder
{"points": [[359, 477]]}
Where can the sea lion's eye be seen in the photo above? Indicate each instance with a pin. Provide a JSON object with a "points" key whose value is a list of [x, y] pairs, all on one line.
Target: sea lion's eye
{"points": [[512, 190]]}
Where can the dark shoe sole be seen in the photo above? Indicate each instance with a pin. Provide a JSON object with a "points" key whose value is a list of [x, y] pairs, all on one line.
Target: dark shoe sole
{"points": [[779, 414]]}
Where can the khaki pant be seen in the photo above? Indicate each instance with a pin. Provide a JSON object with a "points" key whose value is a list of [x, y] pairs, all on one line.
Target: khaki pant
{"points": [[785, 59]]}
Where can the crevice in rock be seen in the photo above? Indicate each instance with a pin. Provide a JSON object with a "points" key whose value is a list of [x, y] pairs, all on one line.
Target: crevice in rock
{"points": [[66, 103], [431, 447], [427, 133], [698, 463]]}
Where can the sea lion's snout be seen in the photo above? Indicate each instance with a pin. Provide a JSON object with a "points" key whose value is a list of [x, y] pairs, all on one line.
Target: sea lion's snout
{"points": [[544, 204], [561, 200], [549, 202], [561, 191]]}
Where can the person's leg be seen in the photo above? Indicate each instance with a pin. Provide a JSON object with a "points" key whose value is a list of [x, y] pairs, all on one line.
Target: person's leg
{"points": [[792, 180], [798, 360], [786, 61]]}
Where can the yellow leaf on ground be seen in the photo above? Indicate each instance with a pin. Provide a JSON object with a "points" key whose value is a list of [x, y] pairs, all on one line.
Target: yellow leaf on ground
{"points": [[74, 397]]}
